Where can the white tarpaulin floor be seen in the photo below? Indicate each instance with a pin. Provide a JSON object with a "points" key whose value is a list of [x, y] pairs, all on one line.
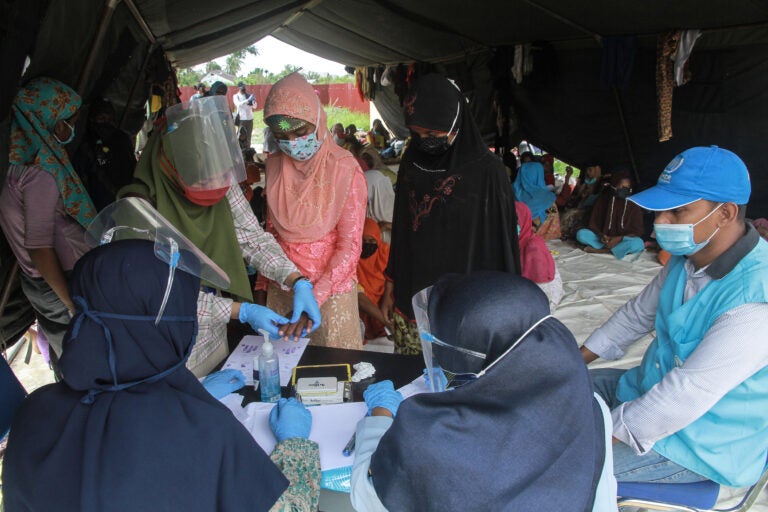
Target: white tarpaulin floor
{"points": [[595, 285]]}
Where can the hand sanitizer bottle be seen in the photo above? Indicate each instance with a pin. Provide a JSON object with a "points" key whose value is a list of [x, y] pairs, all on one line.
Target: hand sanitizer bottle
{"points": [[269, 371]]}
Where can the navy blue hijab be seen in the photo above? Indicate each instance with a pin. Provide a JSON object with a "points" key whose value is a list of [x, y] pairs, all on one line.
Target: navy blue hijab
{"points": [[133, 430], [526, 436]]}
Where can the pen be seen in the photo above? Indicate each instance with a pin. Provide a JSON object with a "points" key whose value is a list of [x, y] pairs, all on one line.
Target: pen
{"points": [[347, 451]]}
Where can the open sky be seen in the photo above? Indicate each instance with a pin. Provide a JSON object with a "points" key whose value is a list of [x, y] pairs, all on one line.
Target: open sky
{"points": [[274, 55]]}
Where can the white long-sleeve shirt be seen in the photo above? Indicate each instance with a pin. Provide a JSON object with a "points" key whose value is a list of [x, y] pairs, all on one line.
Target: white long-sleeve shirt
{"points": [[732, 350], [240, 101]]}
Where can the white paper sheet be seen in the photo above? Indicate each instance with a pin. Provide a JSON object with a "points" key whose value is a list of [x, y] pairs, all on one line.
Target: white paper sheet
{"points": [[288, 352], [332, 427]]}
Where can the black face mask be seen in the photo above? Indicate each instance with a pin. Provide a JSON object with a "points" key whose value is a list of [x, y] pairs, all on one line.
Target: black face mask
{"points": [[433, 145], [369, 249], [623, 192]]}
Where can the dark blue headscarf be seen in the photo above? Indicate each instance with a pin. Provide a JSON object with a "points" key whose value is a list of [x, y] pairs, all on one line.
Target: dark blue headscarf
{"points": [[526, 436], [132, 429]]}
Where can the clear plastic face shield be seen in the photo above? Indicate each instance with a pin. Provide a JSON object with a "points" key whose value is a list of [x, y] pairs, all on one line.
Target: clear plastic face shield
{"points": [[134, 218], [201, 136], [442, 376]]}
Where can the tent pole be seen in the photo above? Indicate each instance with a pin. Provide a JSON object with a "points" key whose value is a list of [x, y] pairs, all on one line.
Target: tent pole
{"points": [[627, 140], [101, 32], [140, 20]]}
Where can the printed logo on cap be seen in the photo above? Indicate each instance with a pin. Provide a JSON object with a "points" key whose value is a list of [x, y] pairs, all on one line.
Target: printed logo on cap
{"points": [[675, 164]]}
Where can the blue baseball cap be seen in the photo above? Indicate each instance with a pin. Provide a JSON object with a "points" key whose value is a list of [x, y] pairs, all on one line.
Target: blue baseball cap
{"points": [[710, 173]]}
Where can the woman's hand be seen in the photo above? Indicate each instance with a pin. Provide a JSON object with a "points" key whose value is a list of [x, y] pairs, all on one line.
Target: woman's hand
{"points": [[294, 331]]}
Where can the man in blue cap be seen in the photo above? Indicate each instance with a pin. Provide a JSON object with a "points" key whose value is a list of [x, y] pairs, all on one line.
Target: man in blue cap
{"points": [[697, 406]]}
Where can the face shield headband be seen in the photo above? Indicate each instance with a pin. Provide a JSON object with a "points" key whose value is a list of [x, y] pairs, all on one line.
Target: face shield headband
{"points": [[83, 312], [439, 379]]}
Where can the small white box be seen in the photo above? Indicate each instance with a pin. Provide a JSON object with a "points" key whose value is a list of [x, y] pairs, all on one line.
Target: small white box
{"points": [[316, 386]]}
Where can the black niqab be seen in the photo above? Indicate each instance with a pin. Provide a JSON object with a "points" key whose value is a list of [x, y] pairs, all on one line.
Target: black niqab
{"points": [[454, 212]]}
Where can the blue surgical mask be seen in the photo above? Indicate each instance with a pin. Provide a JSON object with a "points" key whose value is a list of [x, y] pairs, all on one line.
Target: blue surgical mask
{"points": [[71, 134], [590, 181], [677, 239], [301, 148]]}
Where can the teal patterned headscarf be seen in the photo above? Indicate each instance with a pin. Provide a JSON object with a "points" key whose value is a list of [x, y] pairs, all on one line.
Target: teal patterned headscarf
{"points": [[36, 109]]}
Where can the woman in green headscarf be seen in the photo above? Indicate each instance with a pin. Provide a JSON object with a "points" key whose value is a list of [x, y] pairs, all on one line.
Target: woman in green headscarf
{"points": [[190, 170]]}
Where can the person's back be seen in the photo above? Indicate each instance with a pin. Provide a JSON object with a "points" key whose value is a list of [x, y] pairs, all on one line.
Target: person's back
{"points": [[123, 431]]}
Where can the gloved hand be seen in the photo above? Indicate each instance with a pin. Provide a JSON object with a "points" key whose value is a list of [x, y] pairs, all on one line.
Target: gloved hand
{"points": [[441, 380], [382, 394], [222, 383], [304, 301], [289, 419], [260, 317]]}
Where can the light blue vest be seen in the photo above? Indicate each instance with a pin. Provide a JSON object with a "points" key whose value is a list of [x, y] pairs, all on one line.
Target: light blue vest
{"points": [[729, 443]]}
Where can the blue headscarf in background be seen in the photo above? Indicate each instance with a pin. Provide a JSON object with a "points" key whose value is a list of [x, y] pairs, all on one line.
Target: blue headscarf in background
{"points": [[528, 435], [36, 109], [155, 441], [531, 189]]}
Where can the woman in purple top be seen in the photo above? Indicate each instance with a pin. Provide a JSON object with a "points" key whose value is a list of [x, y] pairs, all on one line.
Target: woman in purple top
{"points": [[44, 208]]}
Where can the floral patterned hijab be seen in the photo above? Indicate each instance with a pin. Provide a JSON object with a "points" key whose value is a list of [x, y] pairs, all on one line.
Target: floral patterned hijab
{"points": [[36, 109], [306, 198]]}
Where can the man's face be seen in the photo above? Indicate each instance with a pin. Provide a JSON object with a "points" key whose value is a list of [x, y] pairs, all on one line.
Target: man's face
{"points": [[691, 214]]}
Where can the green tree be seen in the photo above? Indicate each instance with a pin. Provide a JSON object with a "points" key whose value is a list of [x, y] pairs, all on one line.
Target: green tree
{"points": [[259, 76], [188, 76], [287, 70], [235, 60], [212, 66]]}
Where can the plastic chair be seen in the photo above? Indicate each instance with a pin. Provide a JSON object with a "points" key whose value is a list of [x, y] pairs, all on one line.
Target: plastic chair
{"points": [[693, 497], [11, 395]]}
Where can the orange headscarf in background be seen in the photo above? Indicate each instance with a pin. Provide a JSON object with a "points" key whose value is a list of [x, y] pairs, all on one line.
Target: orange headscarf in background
{"points": [[535, 258], [305, 199], [370, 271]]}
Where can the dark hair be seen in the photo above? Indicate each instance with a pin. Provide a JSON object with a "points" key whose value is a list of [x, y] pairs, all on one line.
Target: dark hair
{"points": [[742, 214]]}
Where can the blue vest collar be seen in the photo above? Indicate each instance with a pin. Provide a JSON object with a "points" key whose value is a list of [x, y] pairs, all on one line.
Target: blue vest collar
{"points": [[727, 261]]}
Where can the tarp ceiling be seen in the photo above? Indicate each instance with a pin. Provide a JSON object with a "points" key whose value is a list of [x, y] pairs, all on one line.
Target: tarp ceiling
{"points": [[366, 32]]}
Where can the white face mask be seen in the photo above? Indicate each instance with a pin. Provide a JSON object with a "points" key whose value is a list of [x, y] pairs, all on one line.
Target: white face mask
{"points": [[678, 240]]}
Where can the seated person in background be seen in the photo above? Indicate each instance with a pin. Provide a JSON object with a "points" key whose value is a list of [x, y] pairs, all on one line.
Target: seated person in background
{"points": [[565, 193], [469, 448], [351, 132], [761, 225], [697, 406], [378, 136], [270, 143], [584, 195], [338, 134], [105, 159], [381, 196], [535, 258], [530, 189], [548, 162], [615, 224], [371, 280], [130, 428]]}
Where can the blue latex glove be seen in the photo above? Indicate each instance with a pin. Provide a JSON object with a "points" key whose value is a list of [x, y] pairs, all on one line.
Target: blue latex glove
{"points": [[289, 419], [222, 383], [304, 302], [442, 382], [382, 394], [260, 317]]}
